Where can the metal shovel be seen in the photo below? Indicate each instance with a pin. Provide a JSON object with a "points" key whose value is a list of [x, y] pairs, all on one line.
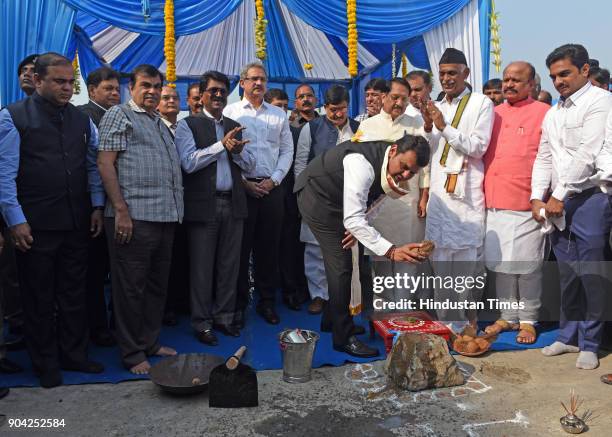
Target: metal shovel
{"points": [[233, 384]]}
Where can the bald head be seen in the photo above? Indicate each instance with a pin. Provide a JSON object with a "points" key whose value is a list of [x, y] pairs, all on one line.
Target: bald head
{"points": [[518, 81]]}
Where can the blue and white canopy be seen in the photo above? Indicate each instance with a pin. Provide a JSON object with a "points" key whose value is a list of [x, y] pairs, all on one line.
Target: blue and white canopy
{"points": [[219, 35]]}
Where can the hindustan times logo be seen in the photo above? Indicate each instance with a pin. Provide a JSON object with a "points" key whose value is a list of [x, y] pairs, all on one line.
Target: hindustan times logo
{"points": [[412, 284]]}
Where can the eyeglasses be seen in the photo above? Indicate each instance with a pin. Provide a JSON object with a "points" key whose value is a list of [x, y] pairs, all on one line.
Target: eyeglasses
{"points": [[215, 91], [261, 79], [170, 98]]}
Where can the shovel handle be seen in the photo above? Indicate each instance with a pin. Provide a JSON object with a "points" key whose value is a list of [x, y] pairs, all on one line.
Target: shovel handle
{"points": [[233, 361]]}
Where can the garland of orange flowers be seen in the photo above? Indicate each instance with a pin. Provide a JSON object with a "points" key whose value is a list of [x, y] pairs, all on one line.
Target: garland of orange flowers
{"points": [[351, 18], [260, 30], [170, 43]]}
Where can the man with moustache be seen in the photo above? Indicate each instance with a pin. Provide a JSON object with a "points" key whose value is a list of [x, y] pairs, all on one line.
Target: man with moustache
{"points": [[462, 124], [48, 183], [194, 99], [267, 129], [334, 192], [305, 105], [103, 89], [514, 243], [141, 172], [573, 134], [211, 149], [420, 91], [25, 71], [169, 107], [316, 137], [374, 91]]}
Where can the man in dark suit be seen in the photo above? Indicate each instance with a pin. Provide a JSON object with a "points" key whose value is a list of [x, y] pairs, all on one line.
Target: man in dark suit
{"points": [[48, 184], [213, 157], [104, 92], [333, 194]]}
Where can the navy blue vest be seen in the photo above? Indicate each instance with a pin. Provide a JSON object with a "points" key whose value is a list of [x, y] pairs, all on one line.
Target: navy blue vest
{"points": [[52, 185], [324, 135]]}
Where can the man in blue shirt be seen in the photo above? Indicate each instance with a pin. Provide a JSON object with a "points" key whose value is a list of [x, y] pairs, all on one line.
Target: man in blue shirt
{"points": [[49, 185]]}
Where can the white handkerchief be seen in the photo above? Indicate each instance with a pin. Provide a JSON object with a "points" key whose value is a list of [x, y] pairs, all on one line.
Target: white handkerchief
{"points": [[550, 223]]}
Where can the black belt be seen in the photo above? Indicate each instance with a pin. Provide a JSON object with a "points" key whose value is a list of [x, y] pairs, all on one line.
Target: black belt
{"points": [[223, 194], [588, 192], [256, 179]]}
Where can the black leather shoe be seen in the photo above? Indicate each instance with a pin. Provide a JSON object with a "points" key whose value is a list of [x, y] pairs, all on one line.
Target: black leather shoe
{"points": [[269, 315], [357, 330], [84, 367], [3, 392], [7, 366], [228, 330], [50, 379], [207, 337], [103, 338], [291, 301], [356, 348]]}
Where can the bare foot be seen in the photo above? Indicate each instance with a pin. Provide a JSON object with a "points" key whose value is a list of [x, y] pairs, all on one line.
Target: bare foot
{"points": [[165, 351], [141, 369]]}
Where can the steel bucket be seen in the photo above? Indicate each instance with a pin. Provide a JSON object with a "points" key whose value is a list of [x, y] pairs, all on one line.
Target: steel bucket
{"points": [[297, 357]]}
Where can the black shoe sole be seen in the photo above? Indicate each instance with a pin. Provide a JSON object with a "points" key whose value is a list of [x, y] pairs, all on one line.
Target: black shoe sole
{"points": [[341, 349]]}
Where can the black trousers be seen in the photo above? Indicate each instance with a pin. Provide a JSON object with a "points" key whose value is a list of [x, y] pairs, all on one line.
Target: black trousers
{"points": [[139, 274], [98, 269], [338, 269], [177, 300], [262, 230], [52, 282], [291, 261], [214, 254]]}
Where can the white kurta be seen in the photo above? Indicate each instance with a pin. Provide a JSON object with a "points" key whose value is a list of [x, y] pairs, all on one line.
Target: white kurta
{"points": [[514, 242], [454, 223], [397, 219]]}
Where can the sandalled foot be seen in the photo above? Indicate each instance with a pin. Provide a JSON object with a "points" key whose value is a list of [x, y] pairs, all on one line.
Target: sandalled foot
{"points": [[165, 351], [500, 326], [527, 334], [587, 360], [558, 348], [141, 369]]}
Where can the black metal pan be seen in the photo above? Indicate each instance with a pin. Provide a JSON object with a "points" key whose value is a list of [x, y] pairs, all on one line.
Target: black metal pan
{"points": [[184, 373]]}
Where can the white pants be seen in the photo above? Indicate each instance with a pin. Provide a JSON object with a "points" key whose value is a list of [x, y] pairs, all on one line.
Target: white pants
{"points": [[457, 263], [514, 288]]}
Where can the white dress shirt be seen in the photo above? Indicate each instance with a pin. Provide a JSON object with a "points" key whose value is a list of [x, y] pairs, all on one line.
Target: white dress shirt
{"points": [[170, 125], [267, 129], [358, 178], [573, 134], [603, 163], [454, 223], [305, 142]]}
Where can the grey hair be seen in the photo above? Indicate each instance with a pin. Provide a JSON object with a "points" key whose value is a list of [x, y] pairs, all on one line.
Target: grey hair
{"points": [[247, 67]]}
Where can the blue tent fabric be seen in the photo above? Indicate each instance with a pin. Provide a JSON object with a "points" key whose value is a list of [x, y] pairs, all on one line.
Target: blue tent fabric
{"points": [[191, 16], [30, 26], [484, 11], [380, 21]]}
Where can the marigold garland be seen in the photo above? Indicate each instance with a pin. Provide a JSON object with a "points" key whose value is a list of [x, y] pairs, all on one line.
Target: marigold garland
{"points": [[170, 43], [260, 30], [351, 18], [495, 41], [76, 87]]}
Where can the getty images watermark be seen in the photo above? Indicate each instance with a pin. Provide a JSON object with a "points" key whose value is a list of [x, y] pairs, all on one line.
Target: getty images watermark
{"points": [[462, 293]]}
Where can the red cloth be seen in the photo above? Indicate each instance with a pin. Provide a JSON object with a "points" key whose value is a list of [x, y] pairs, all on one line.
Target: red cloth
{"points": [[511, 154]]}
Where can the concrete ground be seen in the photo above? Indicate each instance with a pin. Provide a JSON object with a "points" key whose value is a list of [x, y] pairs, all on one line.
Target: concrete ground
{"points": [[508, 394]]}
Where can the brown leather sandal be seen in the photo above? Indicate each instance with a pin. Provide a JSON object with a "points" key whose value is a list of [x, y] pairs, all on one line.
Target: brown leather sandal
{"points": [[499, 326], [529, 328]]}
